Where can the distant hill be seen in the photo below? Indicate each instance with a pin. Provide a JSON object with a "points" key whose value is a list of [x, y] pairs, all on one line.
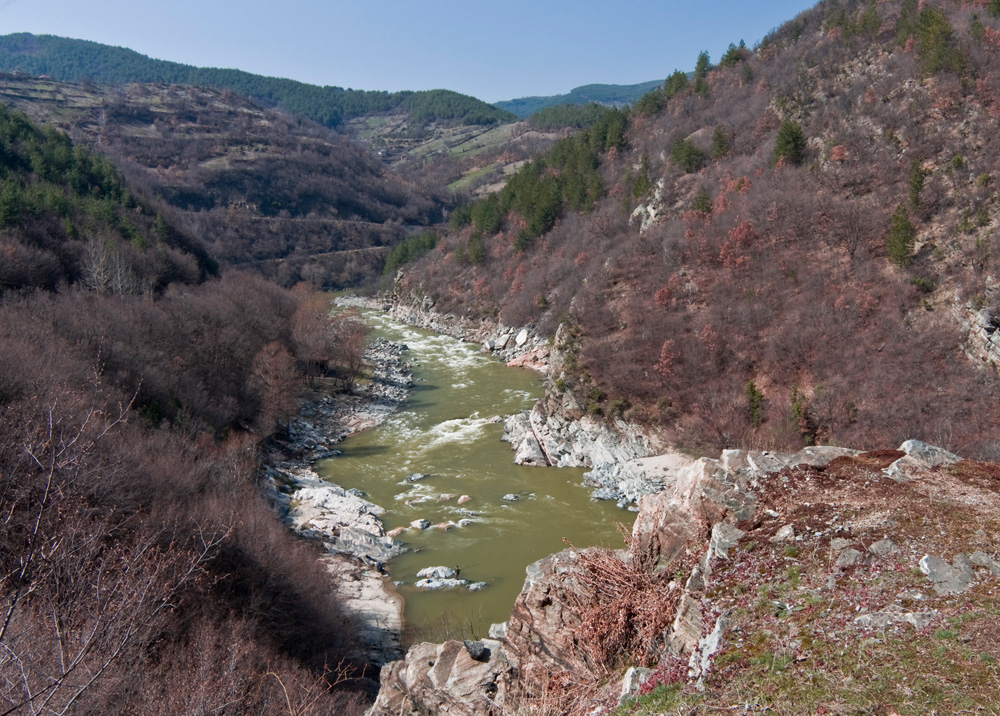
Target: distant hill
{"points": [[69, 60], [285, 196], [613, 95]]}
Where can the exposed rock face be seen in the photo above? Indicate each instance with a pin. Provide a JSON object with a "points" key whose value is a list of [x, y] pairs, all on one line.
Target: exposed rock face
{"points": [[982, 345], [445, 678], [342, 521], [542, 633], [702, 518], [544, 436]]}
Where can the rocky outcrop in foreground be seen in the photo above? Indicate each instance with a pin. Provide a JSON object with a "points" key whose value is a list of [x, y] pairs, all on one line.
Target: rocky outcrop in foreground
{"points": [[797, 583]]}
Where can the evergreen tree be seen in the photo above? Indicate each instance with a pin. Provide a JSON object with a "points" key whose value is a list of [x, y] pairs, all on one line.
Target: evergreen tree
{"points": [[701, 69], [899, 240], [720, 141], [677, 83], [791, 143]]}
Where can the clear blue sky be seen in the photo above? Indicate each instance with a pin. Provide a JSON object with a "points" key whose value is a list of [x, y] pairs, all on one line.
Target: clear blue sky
{"points": [[492, 50]]}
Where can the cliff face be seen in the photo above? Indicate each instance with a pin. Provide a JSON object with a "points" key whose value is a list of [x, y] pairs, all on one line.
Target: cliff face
{"points": [[756, 578]]}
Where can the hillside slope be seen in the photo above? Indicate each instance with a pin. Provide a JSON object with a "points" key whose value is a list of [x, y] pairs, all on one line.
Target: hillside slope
{"points": [[135, 391], [788, 250], [611, 95], [287, 197], [72, 60]]}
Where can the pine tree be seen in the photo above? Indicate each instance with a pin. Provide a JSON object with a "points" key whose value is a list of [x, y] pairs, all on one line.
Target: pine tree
{"points": [[791, 143], [899, 240]]}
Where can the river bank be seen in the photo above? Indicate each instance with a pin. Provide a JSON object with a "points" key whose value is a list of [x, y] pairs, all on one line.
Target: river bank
{"points": [[558, 430], [347, 525]]}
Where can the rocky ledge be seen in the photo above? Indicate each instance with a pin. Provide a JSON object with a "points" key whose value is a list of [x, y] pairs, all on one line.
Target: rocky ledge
{"points": [[785, 583], [347, 526]]}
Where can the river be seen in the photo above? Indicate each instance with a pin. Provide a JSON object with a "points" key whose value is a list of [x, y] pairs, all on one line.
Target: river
{"points": [[448, 429]]}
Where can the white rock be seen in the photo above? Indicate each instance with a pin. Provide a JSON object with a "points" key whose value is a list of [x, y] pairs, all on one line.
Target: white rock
{"points": [[436, 573]]}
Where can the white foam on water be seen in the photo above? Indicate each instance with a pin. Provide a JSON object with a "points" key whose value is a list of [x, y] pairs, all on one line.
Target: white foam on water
{"points": [[460, 430]]}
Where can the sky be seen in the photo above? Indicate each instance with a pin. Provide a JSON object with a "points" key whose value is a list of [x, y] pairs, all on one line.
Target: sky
{"points": [[491, 50]]}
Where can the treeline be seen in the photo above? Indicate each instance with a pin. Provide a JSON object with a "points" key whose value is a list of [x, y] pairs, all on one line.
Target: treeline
{"points": [[607, 95], [71, 60], [568, 115], [140, 570]]}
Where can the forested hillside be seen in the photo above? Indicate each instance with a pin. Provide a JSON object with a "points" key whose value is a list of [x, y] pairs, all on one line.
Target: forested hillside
{"points": [[608, 95], [281, 195], [140, 572], [777, 251], [71, 60]]}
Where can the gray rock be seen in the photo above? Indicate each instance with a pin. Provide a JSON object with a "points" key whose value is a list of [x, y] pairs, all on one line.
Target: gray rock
{"points": [[881, 620], [724, 537], [849, 558], [635, 677], [522, 337], [434, 584], [477, 586], [785, 534], [436, 573], [416, 477], [477, 650], [511, 497], [930, 455], [420, 524], [981, 559], [604, 493], [919, 456], [883, 548], [948, 578], [498, 631], [696, 582], [701, 660]]}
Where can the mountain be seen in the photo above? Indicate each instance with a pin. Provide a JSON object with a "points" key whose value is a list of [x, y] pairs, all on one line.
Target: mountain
{"points": [[70, 60], [136, 391], [288, 197], [610, 95], [798, 246]]}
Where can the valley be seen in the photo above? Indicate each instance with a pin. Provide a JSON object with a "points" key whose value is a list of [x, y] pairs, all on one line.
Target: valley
{"points": [[752, 313]]}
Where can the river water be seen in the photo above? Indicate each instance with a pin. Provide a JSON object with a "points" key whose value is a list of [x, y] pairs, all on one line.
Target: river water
{"points": [[448, 430]]}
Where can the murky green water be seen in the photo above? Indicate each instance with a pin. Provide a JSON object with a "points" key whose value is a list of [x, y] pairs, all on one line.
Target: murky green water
{"points": [[445, 430]]}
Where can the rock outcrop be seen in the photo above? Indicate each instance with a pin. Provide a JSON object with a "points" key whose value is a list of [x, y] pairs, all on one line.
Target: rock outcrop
{"points": [[743, 549], [454, 678]]}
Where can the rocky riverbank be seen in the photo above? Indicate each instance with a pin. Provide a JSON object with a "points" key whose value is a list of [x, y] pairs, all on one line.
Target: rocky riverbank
{"points": [[347, 526], [557, 431], [748, 577]]}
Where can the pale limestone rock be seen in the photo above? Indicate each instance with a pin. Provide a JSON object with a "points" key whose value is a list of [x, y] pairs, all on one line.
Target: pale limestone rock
{"points": [[687, 626], [948, 578], [635, 677], [785, 534], [444, 679]]}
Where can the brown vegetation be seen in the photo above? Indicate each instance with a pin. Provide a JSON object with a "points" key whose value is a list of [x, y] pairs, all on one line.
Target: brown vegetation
{"points": [[792, 278]]}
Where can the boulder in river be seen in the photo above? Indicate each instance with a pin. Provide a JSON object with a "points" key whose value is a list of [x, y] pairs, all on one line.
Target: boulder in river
{"points": [[436, 572]]}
